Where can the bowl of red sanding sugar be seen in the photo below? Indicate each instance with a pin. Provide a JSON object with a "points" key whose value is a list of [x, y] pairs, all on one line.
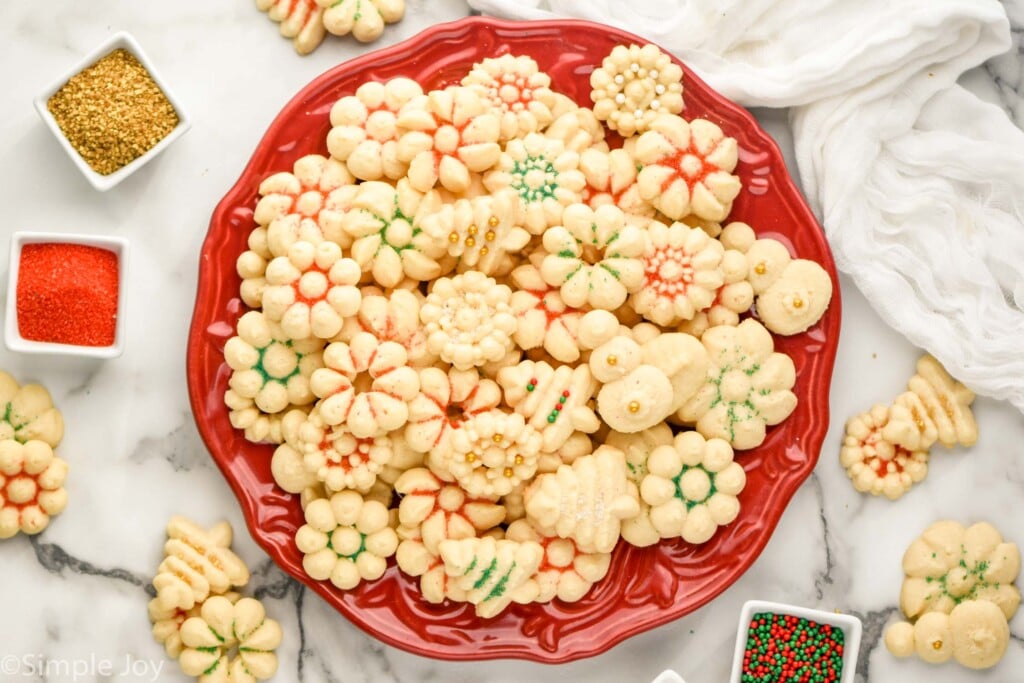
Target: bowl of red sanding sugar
{"points": [[778, 643], [65, 294]]}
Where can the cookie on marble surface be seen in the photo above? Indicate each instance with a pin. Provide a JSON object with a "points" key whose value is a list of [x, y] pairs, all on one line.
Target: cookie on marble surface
{"points": [[300, 20], [875, 464], [947, 401], [31, 486], [28, 413], [364, 20], [230, 642], [197, 563]]}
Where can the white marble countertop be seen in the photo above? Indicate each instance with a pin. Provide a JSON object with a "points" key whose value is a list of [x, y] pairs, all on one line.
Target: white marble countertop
{"points": [[75, 596]]}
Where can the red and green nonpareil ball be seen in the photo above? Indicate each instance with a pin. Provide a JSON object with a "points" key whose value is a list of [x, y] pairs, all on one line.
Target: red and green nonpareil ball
{"points": [[786, 649]]}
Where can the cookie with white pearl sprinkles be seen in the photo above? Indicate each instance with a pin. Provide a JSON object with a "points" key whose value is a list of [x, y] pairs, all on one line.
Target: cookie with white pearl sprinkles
{"points": [[633, 85], [500, 322]]}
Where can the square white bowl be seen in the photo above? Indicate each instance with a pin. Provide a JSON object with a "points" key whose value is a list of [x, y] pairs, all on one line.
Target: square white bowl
{"points": [[850, 625], [104, 182], [13, 339]]}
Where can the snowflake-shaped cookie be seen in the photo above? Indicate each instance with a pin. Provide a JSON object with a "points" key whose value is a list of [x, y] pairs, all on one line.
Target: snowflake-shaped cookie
{"points": [[682, 273], [482, 232], [311, 290], [593, 257], [565, 572], [747, 389], [346, 540], [874, 464], [691, 487], [611, 179], [363, 19], [517, 90], [268, 367], [493, 452], [365, 131], [225, 628], [365, 385], [633, 85], [388, 241], [31, 487], [304, 191], [468, 320], [544, 175], [687, 168], [28, 413], [300, 20], [544, 319], [449, 135], [392, 317], [950, 564], [447, 399]]}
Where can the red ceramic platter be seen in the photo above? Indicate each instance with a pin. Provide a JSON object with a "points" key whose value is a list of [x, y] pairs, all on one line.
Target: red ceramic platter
{"points": [[644, 587]]}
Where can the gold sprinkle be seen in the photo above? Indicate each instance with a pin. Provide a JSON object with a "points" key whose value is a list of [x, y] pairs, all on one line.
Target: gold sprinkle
{"points": [[471, 457], [798, 302], [518, 460], [470, 241], [489, 236], [471, 230], [496, 438], [453, 238], [612, 360], [508, 472], [492, 221], [937, 645], [760, 268], [483, 251], [634, 406]]}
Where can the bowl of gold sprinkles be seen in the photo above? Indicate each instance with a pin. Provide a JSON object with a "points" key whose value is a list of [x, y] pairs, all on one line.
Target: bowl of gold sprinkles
{"points": [[112, 113]]}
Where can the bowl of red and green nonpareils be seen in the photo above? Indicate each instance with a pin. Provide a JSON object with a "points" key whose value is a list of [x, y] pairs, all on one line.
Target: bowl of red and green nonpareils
{"points": [[65, 294], [778, 643]]}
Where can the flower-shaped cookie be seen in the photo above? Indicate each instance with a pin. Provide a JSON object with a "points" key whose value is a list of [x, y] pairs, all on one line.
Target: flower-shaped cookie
{"points": [[31, 486], [448, 135], [747, 388], [545, 176], [223, 629], [468, 320], [311, 290], [518, 91], [268, 367], [300, 20], [493, 452], [637, 448], [555, 401], [797, 299], [633, 85], [432, 511], [167, 623], [482, 232], [565, 572], [338, 458], [393, 317], [363, 19], [766, 258], [28, 413], [948, 403], [388, 242], [586, 501], [691, 487], [611, 179], [493, 573], [544, 319], [909, 425], [365, 385], [687, 168], [949, 564], [876, 465], [304, 191], [682, 273], [346, 539], [594, 257], [197, 563], [365, 131], [975, 634], [447, 399]]}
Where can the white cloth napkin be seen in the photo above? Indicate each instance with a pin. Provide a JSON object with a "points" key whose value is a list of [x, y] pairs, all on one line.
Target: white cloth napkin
{"points": [[918, 183]]}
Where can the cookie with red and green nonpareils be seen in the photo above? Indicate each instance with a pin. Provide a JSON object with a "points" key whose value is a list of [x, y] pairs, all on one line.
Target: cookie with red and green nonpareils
{"points": [[519, 92], [554, 400], [781, 648], [31, 487], [687, 168]]}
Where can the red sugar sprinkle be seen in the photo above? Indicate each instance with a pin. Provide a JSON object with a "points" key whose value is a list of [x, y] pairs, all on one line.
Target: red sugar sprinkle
{"points": [[67, 294]]}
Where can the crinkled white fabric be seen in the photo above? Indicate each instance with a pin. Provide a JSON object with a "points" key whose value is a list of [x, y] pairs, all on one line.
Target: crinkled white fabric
{"points": [[918, 183]]}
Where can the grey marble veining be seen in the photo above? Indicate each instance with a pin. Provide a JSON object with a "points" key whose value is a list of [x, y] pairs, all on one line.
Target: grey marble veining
{"points": [[77, 593]]}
